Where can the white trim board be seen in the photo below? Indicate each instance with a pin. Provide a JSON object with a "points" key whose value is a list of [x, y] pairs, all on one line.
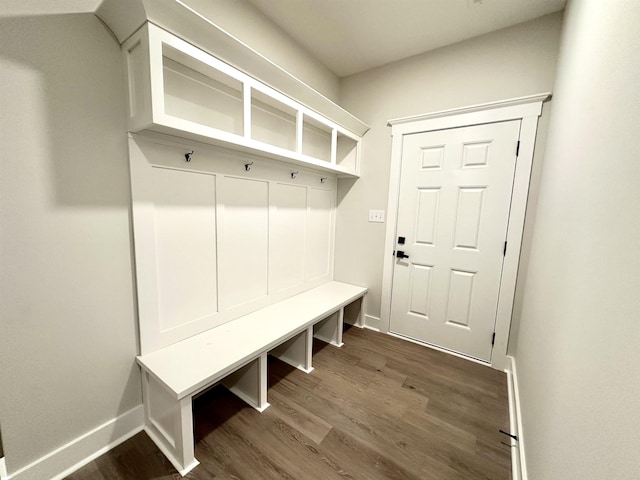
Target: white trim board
{"points": [[371, 322], [527, 109], [518, 460], [525, 106], [68, 458]]}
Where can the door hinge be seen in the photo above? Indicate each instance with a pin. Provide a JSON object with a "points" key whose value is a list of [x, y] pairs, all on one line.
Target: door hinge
{"points": [[518, 148], [504, 251], [493, 339]]}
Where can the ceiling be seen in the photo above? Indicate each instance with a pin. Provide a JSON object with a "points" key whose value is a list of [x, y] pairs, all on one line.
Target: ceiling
{"points": [[19, 8], [350, 36]]}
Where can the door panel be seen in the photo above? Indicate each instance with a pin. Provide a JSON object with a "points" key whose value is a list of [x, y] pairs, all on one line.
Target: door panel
{"points": [[426, 216], [468, 217], [455, 195], [460, 295], [420, 289]]}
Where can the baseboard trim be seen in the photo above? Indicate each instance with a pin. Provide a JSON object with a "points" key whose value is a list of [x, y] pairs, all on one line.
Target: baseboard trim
{"points": [[70, 457], [371, 322], [518, 461], [3, 469]]}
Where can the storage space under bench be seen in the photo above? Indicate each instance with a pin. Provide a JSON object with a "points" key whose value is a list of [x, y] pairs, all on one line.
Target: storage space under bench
{"points": [[235, 354]]}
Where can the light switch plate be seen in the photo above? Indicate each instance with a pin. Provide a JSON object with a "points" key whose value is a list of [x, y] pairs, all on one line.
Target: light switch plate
{"points": [[376, 216]]}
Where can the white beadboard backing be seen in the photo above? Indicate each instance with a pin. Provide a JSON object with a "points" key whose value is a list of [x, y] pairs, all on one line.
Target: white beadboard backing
{"points": [[222, 235]]}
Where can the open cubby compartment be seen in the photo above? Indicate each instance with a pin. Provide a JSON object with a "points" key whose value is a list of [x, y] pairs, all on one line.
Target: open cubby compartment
{"points": [[347, 152], [200, 93], [316, 139], [272, 121], [178, 89]]}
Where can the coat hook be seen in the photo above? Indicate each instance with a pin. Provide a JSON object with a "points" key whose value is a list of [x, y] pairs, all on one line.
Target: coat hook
{"points": [[294, 174], [323, 179], [247, 166], [187, 156]]}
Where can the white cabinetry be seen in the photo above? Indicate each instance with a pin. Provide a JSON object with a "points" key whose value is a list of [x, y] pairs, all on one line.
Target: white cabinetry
{"points": [[178, 89], [215, 242], [234, 246]]}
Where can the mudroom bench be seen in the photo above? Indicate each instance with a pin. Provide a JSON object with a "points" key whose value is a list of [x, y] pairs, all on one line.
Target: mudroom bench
{"points": [[235, 354]]}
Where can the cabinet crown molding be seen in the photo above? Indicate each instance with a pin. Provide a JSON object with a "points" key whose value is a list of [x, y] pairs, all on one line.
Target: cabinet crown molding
{"points": [[185, 20]]}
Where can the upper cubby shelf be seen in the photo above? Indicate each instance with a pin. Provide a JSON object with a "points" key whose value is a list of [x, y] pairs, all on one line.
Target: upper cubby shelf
{"points": [[176, 88]]}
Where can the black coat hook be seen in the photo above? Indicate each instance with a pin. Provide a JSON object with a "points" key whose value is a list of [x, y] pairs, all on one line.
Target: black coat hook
{"points": [[247, 166], [187, 156]]}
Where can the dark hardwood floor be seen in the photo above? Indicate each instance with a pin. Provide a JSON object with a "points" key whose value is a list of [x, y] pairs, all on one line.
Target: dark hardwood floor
{"points": [[377, 408]]}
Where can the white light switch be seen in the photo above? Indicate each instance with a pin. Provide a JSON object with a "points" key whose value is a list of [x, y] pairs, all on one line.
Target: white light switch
{"points": [[376, 216]]}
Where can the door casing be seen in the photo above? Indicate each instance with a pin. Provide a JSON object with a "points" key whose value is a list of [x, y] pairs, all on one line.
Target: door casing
{"points": [[527, 109]]}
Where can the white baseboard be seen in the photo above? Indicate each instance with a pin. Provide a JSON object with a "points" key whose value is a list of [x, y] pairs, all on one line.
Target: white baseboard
{"points": [[518, 462], [371, 322], [70, 457]]}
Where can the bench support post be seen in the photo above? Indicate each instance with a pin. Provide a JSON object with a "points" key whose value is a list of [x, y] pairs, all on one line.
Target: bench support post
{"points": [[330, 329], [354, 313], [250, 383], [297, 351], [169, 423]]}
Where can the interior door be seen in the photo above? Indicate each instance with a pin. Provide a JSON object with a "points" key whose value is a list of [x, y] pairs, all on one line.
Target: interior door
{"points": [[455, 195]]}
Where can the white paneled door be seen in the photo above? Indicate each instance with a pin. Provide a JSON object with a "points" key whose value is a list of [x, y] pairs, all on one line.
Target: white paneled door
{"points": [[455, 196]]}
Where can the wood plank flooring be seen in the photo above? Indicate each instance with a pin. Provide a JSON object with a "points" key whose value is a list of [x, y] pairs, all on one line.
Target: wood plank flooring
{"points": [[377, 408]]}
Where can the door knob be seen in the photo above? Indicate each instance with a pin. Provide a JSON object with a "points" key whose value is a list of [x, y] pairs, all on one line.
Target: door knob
{"points": [[401, 254]]}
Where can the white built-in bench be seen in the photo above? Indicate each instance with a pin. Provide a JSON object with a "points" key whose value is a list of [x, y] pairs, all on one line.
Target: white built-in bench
{"points": [[235, 354]]}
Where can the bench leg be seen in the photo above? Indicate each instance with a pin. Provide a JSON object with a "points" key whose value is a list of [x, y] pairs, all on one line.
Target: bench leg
{"points": [[169, 423], [250, 383], [354, 313], [297, 351], [330, 329]]}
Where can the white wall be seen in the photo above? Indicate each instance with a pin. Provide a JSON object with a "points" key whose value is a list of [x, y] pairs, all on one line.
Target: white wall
{"points": [[509, 63], [68, 328], [578, 350]]}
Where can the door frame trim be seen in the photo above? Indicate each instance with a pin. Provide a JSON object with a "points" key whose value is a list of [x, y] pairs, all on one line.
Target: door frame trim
{"points": [[527, 109]]}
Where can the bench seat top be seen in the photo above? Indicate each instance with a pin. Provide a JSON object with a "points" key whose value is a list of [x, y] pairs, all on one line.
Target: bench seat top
{"points": [[196, 362]]}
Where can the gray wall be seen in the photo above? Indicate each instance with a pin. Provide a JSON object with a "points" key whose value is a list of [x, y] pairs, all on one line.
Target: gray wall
{"points": [[68, 330], [243, 21], [578, 350], [509, 63]]}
